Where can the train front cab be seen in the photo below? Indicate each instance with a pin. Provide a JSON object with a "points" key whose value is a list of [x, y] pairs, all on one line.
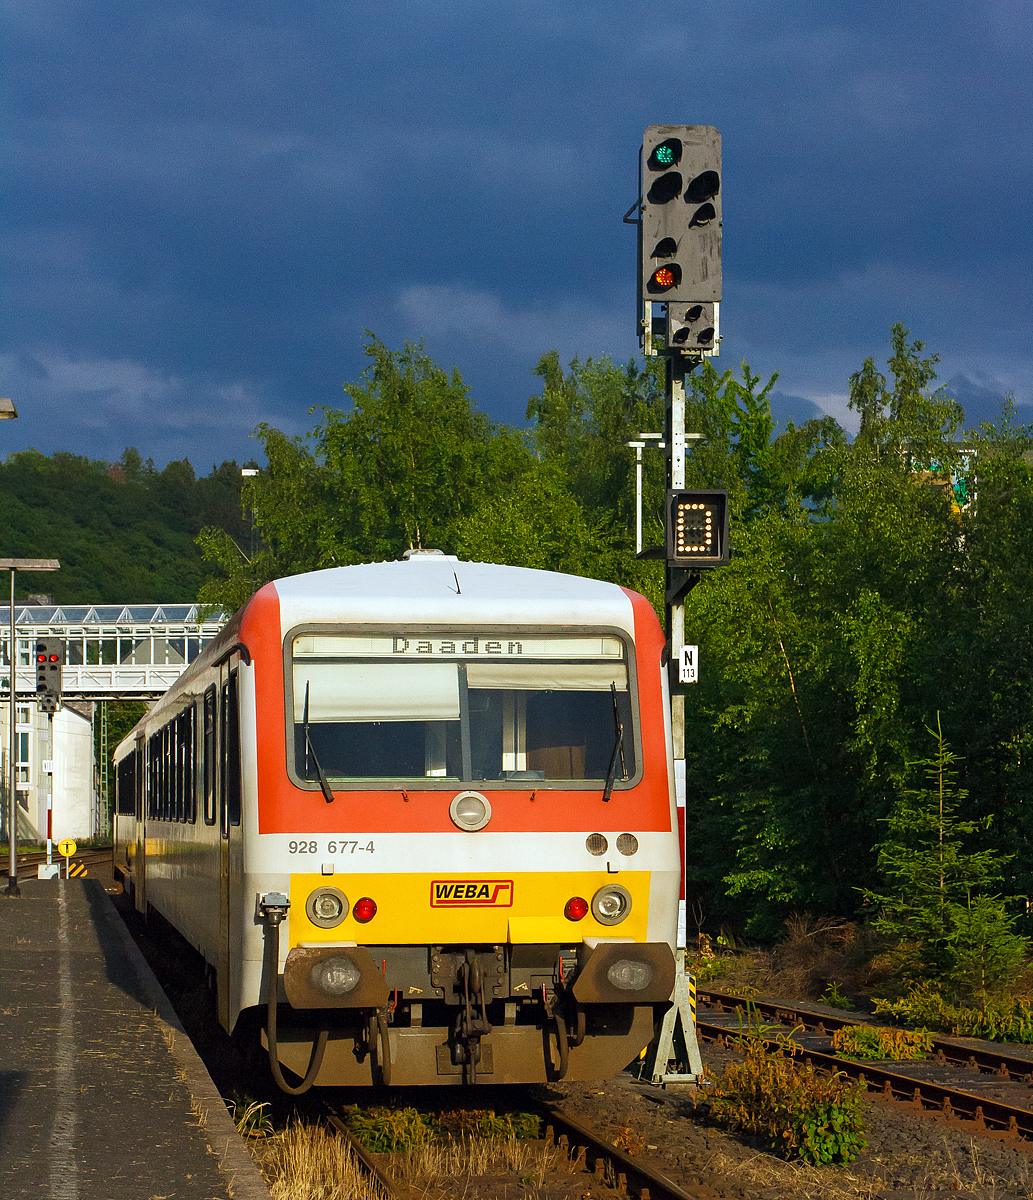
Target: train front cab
{"points": [[476, 910]]}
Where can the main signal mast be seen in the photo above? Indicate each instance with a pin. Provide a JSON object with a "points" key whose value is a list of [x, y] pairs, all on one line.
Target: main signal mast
{"points": [[678, 215]]}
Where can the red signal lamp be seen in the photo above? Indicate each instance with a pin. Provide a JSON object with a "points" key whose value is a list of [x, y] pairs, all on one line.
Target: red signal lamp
{"points": [[575, 908], [364, 910], [664, 278]]}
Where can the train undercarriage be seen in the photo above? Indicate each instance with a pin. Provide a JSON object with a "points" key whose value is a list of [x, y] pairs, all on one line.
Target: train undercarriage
{"points": [[412, 1015]]}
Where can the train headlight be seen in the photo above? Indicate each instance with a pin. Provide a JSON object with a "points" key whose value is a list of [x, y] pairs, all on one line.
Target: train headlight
{"points": [[335, 976], [630, 976], [470, 811], [611, 904], [327, 907]]}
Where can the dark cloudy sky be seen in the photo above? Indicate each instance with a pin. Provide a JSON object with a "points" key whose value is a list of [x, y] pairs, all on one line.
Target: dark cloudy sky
{"points": [[206, 203]]}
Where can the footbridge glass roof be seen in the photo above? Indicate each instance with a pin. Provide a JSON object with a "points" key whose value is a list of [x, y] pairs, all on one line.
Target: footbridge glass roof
{"points": [[111, 650]]}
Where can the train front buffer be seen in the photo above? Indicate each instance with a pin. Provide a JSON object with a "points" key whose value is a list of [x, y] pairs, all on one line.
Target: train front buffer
{"points": [[488, 989]]}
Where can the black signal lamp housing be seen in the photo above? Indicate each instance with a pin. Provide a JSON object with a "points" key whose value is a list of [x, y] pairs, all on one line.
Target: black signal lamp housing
{"points": [[697, 529]]}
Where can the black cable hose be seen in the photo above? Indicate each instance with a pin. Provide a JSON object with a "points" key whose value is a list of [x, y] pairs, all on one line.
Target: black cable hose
{"points": [[562, 1045], [384, 1052], [272, 961]]}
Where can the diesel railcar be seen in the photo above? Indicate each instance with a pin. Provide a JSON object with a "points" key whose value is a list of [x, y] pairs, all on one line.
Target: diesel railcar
{"points": [[419, 819]]}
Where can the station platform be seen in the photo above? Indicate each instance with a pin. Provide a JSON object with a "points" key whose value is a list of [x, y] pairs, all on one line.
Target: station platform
{"points": [[102, 1096]]}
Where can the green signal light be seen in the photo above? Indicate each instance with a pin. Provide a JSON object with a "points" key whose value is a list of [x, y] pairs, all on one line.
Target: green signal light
{"points": [[665, 154]]}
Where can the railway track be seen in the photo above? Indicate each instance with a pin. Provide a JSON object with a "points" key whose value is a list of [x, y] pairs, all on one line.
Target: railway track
{"points": [[86, 858], [997, 1093], [608, 1164]]}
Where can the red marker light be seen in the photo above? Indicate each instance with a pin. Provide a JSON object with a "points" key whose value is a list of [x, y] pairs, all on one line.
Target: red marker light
{"points": [[364, 910], [53, 658], [575, 908], [41, 658]]}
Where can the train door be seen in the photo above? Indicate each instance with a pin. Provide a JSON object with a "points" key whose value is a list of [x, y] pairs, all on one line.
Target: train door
{"points": [[140, 825], [228, 786]]}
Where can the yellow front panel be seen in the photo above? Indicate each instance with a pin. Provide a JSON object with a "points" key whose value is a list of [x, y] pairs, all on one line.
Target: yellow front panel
{"points": [[525, 907]]}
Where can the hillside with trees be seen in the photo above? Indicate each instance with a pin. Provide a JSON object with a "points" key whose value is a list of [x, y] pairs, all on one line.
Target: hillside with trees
{"points": [[124, 532]]}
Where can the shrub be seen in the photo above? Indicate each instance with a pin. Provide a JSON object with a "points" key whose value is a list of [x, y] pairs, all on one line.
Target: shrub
{"points": [[995, 1021], [384, 1130], [249, 1116], [706, 968], [873, 1042], [833, 998], [800, 1113], [490, 1126]]}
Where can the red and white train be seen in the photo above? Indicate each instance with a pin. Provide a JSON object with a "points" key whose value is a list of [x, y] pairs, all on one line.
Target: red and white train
{"points": [[419, 818]]}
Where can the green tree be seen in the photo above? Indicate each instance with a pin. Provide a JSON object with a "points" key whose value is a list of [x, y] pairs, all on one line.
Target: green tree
{"points": [[404, 465], [936, 910], [823, 642]]}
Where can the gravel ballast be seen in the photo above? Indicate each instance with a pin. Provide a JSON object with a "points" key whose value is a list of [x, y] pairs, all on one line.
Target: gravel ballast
{"points": [[908, 1155]]}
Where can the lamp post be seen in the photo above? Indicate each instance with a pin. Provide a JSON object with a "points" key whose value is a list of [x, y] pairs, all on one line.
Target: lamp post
{"points": [[13, 565], [250, 473]]}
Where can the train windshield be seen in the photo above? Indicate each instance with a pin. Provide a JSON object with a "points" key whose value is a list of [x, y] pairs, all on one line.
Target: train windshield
{"points": [[463, 708]]}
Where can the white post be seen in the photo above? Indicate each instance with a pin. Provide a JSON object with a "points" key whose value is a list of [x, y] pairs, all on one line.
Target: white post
{"points": [[678, 615], [638, 499]]}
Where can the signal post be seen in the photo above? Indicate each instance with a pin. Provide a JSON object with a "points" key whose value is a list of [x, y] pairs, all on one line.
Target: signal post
{"points": [[678, 215], [12, 565]]}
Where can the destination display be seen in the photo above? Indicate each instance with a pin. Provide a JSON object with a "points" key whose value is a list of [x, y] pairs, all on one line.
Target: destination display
{"points": [[455, 645]]}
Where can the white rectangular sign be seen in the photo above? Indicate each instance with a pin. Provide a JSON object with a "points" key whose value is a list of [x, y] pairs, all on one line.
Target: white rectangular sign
{"points": [[688, 665]]}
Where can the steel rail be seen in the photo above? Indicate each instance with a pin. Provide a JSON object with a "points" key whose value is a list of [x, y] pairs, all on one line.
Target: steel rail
{"points": [[985, 1111], [629, 1174], [945, 1050], [361, 1153], [89, 858]]}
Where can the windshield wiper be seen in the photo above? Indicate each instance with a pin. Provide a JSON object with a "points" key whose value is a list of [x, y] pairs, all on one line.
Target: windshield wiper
{"points": [[324, 784], [618, 748]]}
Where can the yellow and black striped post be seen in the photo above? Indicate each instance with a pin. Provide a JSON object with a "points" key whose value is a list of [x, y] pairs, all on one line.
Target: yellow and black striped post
{"points": [[673, 1055]]}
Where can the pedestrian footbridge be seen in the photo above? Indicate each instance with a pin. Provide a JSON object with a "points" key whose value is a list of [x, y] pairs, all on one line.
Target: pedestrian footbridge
{"points": [[112, 651]]}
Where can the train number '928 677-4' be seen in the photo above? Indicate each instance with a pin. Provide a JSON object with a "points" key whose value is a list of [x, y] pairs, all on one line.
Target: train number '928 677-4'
{"points": [[333, 847]]}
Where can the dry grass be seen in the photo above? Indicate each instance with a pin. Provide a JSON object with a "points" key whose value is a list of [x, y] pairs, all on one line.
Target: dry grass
{"points": [[442, 1163], [950, 1172], [307, 1163], [815, 954]]}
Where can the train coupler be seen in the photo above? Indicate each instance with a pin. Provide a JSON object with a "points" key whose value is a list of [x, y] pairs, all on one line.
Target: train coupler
{"points": [[469, 1026]]}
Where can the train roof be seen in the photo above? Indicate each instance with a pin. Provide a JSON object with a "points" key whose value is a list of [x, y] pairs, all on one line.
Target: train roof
{"points": [[427, 589], [438, 589]]}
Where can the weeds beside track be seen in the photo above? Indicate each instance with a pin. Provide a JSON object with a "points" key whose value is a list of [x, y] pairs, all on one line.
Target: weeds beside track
{"points": [[1010, 1110]]}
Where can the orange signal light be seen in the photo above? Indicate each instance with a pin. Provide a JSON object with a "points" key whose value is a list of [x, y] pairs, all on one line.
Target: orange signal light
{"points": [[664, 277]]}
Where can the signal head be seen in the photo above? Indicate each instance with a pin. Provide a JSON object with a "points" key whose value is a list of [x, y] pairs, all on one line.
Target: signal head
{"points": [[697, 529]]}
